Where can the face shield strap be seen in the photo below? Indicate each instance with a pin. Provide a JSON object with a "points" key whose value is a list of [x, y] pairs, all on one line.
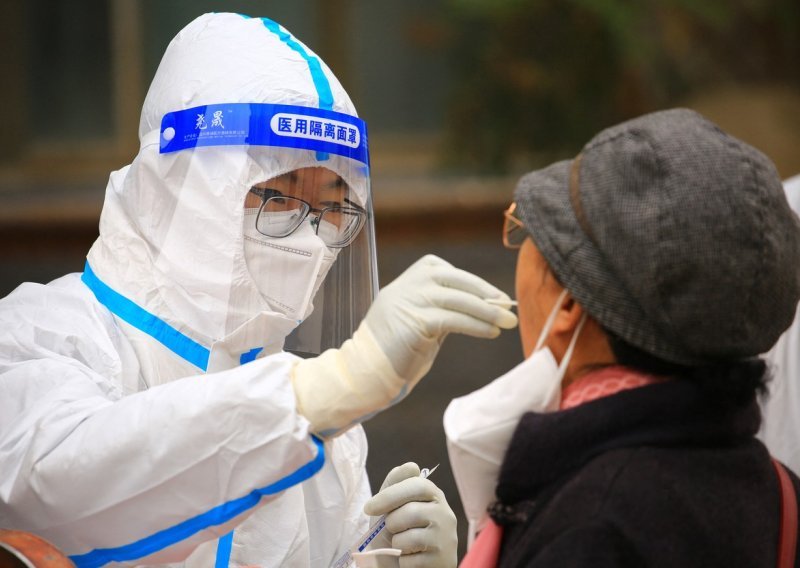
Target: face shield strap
{"points": [[256, 124]]}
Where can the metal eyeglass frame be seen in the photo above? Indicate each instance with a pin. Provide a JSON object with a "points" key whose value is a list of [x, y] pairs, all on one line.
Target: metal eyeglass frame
{"points": [[266, 193], [512, 225]]}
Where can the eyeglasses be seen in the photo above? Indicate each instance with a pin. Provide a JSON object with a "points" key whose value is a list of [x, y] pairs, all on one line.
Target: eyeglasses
{"points": [[514, 232], [280, 215]]}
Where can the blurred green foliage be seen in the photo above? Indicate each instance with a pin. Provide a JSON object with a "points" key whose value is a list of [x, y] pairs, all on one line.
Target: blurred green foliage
{"points": [[535, 79]]}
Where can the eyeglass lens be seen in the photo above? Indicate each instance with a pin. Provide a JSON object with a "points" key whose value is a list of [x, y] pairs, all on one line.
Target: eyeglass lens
{"points": [[336, 226]]}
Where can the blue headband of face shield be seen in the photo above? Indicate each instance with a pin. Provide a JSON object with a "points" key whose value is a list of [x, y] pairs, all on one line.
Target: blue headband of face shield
{"points": [[259, 124]]}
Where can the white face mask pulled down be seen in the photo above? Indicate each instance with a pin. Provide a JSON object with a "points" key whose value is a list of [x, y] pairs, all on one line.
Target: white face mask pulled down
{"points": [[479, 426], [287, 271]]}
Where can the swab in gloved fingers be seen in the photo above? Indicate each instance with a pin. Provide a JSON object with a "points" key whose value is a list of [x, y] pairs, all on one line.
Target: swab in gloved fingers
{"points": [[357, 551], [396, 344], [502, 302], [419, 520]]}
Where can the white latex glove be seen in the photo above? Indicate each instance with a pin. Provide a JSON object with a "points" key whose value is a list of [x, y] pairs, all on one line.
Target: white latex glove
{"points": [[411, 316], [396, 344], [418, 518]]}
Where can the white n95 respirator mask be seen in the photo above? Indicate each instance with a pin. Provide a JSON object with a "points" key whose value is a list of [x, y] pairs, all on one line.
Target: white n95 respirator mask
{"points": [[287, 271], [479, 426]]}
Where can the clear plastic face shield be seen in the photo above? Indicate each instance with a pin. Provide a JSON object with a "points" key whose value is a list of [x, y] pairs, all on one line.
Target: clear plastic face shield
{"points": [[288, 188]]}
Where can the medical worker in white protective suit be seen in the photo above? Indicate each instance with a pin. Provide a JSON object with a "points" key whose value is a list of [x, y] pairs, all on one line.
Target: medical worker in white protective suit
{"points": [[150, 409], [780, 428]]}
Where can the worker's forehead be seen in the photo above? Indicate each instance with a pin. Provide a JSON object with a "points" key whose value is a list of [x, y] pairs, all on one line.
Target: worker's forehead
{"points": [[310, 179]]}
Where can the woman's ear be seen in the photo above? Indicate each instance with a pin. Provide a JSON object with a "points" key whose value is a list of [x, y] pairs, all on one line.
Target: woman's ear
{"points": [[568, 317]]}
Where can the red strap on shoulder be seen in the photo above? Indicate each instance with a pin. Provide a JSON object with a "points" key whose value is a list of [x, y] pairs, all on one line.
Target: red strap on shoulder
{"points": [[787, 541]]}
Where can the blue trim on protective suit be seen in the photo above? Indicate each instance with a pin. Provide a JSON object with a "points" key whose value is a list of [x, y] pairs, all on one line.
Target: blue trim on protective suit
{"points": [[317, 74], [321, 82], [216, 516], [250, 355], [143, 320], [224, 547]]}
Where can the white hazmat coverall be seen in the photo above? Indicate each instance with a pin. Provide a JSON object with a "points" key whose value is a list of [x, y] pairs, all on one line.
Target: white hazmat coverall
{"points": [[134, 426], [780, 429]]}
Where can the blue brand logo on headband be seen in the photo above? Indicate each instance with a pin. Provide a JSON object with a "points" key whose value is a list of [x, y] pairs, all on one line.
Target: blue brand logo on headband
{"points": [[254, 124]]}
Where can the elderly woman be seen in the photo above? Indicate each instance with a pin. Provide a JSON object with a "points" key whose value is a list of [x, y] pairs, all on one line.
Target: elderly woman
{"points": [[652, 270]]}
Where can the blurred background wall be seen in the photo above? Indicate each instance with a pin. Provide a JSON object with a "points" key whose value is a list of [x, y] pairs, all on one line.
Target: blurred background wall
{"points": [[461, 97]]}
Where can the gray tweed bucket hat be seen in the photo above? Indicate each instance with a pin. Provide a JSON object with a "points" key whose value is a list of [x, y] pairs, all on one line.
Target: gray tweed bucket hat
{"points": [[673, 235]]}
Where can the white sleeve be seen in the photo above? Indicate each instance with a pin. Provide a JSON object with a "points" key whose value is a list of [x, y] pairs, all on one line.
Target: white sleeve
{"points": [[155, 472]]}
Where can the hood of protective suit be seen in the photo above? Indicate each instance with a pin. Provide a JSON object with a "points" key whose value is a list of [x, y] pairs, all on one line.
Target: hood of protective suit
{"points": [[171, 230]]}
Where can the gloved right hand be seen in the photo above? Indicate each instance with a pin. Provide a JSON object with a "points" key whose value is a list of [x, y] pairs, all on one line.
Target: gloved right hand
{"points": [[411, 316], [396, 344]]}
